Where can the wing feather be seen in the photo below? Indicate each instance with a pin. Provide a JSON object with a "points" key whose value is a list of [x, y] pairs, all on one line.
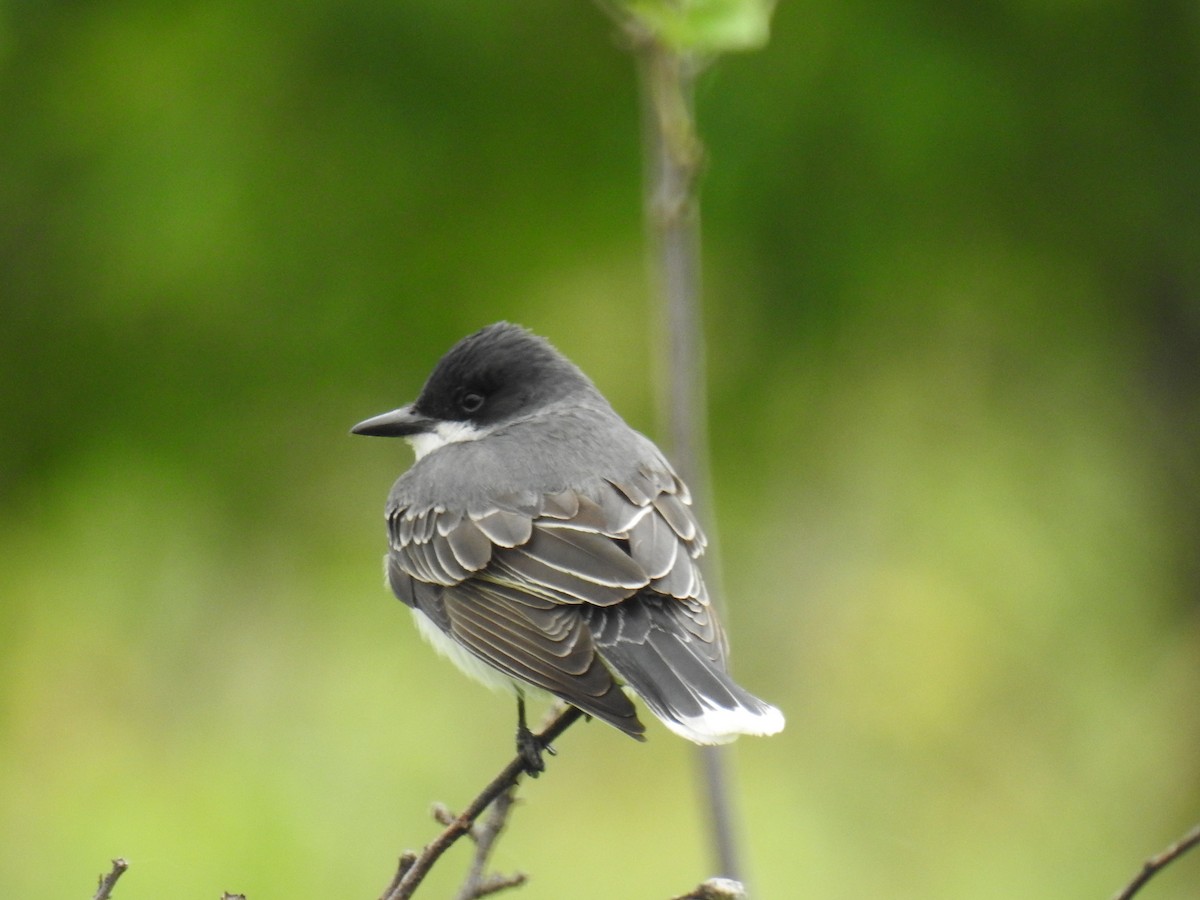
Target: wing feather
{"points": [[504, 528], [561, 505], [654, 546], [424, 556], [584, 554], [448, 563], [448, 520], [682, 580], [401, 527], [471, 546], [620, 513], [523, 570], [426, 522], [677, 515], [551, 649], [588, 515], [637, 488]]}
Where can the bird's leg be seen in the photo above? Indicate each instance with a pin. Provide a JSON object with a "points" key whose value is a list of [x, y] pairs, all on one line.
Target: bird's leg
{"points": [[529, 745]]}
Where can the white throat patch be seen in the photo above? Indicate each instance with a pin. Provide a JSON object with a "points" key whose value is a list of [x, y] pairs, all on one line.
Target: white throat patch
{"points": [[443, 433]]}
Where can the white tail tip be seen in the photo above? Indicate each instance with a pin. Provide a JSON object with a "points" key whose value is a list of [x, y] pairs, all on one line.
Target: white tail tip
{"points": [[720, 726]]}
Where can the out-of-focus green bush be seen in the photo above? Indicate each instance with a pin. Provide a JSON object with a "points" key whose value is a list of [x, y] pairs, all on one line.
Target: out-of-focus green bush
{"points": [[952, 269]]}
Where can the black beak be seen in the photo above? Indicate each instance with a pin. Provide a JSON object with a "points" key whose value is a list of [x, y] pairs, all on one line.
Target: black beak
{"points": [[400, 422]]}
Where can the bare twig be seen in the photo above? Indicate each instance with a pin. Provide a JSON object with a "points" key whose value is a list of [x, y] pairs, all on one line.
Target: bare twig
{"points": [[405, 883], [106, 883], [495, 883], [407, 858], [1157, 863], [479, 883]]}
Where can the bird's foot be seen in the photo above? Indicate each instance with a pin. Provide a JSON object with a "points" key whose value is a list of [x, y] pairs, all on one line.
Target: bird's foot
{"points": [[529, 748]]}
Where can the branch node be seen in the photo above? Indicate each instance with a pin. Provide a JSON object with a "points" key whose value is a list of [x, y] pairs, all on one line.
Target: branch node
{"points": [[407, 858], [497, 792], [1156, 864], [495, 883], [106, 883]]}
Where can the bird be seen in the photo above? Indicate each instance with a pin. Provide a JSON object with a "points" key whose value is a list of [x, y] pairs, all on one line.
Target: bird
{"points": [[545, 546]]}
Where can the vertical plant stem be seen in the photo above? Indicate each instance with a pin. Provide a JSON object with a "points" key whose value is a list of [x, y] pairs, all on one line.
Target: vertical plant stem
{"points": [[673, 158]]}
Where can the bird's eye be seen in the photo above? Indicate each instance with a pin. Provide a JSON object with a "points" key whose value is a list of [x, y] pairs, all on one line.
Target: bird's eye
{"points": [[471, 402]]}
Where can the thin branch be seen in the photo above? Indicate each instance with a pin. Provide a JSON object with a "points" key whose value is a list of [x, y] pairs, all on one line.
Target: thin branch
{"points": [[1156, 864], [407, 858], [495, 883], [479, 883], [405, 883], [106, 883]]}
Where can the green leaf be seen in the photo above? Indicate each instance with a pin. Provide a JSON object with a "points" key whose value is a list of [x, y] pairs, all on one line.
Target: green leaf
{"points": [[705, 26]]}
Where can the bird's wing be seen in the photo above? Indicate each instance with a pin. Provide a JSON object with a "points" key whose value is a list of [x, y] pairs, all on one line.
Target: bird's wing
{"points": [[514, 580], [597, 546], [537, 642]]}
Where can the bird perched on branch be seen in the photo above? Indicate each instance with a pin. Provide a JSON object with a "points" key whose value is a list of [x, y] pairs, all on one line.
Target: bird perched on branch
{"points": [[542, 542]]}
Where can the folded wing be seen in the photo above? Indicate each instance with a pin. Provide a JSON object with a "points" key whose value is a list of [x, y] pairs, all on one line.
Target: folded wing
{"points": [[578, 592]]}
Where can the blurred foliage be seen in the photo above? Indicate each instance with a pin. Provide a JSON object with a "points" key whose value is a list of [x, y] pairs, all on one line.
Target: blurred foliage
{"points": [[953, 270]]}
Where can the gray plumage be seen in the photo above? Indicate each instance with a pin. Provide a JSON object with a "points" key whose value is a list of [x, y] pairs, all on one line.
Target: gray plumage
{"points": [[546, 538]]}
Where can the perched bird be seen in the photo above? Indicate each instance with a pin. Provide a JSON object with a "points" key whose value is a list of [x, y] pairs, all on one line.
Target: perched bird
{"points": [[542, 542]]}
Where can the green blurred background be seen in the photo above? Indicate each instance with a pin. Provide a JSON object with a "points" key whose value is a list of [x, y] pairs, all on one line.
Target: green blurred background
{"points": [[953, 299]]}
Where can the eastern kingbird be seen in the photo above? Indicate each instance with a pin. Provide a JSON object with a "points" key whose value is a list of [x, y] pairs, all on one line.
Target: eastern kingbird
{"points": [[542, 542]]}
